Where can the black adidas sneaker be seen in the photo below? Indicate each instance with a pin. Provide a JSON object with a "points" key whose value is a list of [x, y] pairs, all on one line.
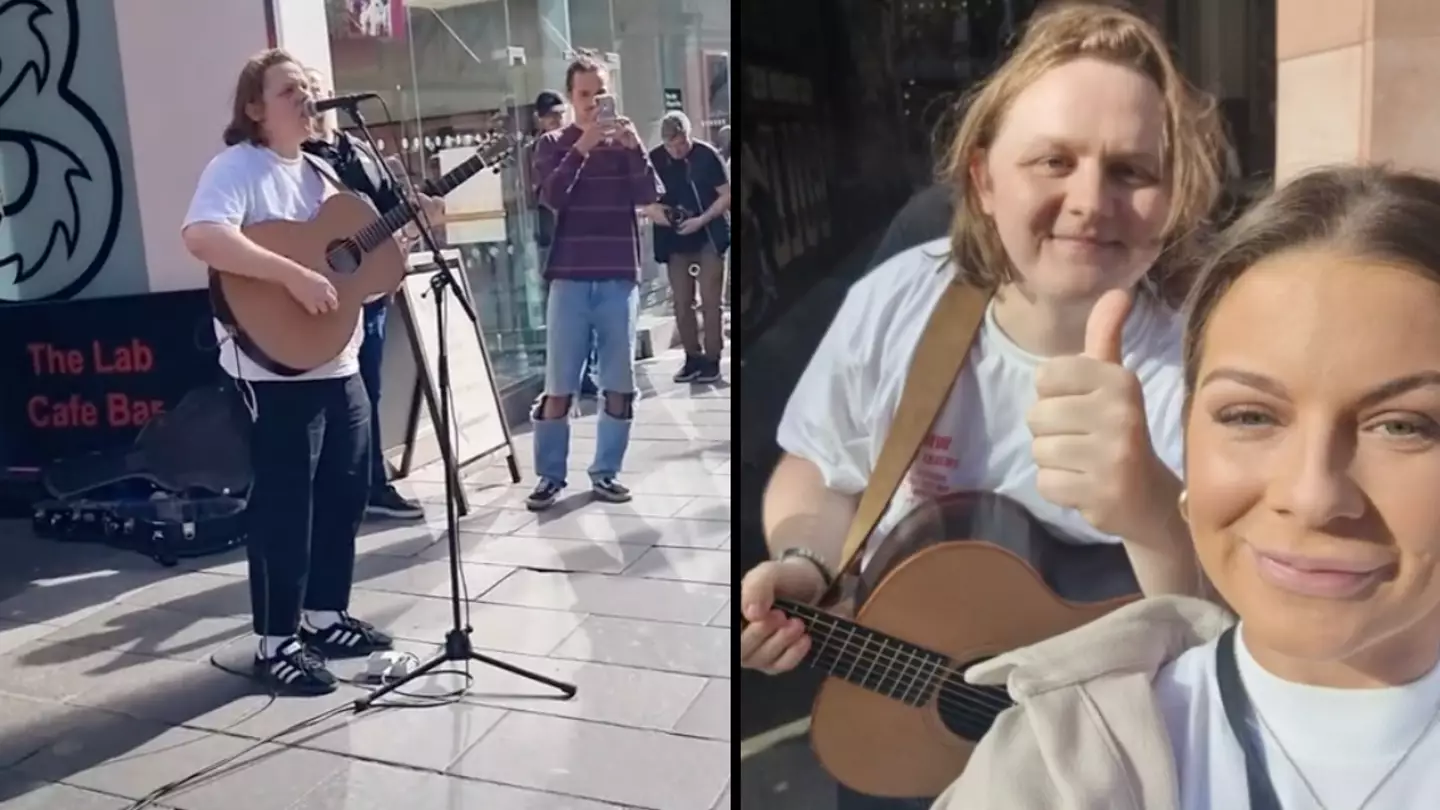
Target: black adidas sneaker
{"points": [[347, 638], [295, 670]]}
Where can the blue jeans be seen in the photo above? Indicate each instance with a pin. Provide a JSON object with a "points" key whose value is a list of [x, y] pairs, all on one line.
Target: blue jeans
{"points": [[576, 310], [372, 352]]}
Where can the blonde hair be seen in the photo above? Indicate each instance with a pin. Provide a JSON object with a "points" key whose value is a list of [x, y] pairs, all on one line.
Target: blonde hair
{"points": [[1193, 136]]}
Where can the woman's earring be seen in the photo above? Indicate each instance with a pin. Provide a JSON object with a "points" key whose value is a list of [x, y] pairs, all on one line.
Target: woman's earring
{"points": [[1183, 505]]}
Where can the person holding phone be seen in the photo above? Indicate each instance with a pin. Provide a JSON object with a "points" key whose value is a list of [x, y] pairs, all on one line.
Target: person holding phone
{"points": [[549, 117], [594, 174]]}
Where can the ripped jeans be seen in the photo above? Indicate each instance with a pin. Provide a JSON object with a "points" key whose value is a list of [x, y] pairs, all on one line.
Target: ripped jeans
{"points": [[574, 311]]}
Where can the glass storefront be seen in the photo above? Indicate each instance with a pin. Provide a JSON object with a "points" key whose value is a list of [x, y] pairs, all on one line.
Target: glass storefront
{"points": [[452, 71]]}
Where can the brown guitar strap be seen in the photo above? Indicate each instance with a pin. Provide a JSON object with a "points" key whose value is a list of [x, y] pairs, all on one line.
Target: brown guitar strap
{"points": [[939, 355]]}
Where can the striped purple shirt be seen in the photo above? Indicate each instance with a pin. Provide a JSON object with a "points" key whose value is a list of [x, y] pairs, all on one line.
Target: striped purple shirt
{"points": [[594, 197]]}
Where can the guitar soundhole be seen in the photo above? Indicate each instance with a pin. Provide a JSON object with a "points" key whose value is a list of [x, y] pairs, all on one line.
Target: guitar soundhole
{"points": [[969, 711], [343, 256]]}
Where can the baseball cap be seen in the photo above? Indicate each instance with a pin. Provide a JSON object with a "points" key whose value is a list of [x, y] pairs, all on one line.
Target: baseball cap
{"points": [[548, 102]]}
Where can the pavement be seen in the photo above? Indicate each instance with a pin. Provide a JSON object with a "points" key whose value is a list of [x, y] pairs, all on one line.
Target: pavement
{"points": [[107, 691]]}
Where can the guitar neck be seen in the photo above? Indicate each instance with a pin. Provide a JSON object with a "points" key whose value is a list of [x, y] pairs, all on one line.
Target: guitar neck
{"points": [[870, 659], [393, 220]]}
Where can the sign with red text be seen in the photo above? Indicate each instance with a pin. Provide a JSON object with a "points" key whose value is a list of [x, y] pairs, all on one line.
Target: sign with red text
{"points": [[86, 375]]}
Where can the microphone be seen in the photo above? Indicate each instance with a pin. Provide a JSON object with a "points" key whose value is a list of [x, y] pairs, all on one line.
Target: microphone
{"points": [[314, 107]]}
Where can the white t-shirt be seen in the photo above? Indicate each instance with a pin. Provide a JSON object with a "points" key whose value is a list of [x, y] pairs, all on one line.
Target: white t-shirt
{"points": [[840, 412], [246, 184], [1342, 740]]}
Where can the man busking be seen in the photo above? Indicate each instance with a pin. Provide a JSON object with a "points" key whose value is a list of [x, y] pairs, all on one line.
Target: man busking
{"points": [[693, 238], [594, 174], [359, 170], [310, 437]]}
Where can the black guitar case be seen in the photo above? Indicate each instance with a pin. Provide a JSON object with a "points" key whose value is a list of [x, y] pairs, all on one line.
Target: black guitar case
{"points": [[176, 492], [202, 445]]}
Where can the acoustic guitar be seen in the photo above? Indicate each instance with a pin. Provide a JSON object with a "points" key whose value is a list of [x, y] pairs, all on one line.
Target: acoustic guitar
{"points": [[960, 579], [348, 244]]}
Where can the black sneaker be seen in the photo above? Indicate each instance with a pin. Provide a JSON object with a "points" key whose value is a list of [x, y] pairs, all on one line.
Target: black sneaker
{"points": [[388, 502], [543, 496], [709, 371], [347, 638], [690, 371], [608, 489], [295, 670]]}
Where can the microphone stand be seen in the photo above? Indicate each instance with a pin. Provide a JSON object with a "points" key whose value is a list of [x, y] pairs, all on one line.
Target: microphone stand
{"points": [[458, 646]]}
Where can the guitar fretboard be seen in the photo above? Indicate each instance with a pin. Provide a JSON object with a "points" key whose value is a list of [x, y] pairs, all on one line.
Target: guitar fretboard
{"points": [[393, 220], [868, 658]]}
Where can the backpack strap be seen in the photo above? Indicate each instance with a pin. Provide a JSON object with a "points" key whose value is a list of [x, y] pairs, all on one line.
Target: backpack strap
{"points": [[939, 355]]}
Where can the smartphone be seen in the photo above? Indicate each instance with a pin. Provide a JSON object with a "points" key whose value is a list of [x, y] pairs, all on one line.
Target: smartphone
{"points": [[605, 110]]}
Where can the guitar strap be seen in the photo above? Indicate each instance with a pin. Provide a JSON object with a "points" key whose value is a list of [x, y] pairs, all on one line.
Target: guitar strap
{"points": [[939, 355], [326, 172]]}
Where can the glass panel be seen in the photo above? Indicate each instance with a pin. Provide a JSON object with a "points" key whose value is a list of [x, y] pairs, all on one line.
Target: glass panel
{"points": [[717, 93], [663, 47], [452, 70], [451, 77], [592, 25]]}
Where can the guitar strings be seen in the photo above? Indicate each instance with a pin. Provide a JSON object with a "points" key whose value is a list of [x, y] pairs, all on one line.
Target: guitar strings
{"points": [[950, 693], [960, 702], [962, 714], [382, 227], [972, 702], [818, 620]]}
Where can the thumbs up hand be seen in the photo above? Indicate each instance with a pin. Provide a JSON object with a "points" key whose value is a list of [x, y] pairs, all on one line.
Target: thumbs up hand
{"points": [[1091, 442]]}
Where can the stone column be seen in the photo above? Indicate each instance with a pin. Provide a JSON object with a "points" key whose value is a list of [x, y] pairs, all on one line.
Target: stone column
{"points": [[1356, 82]]}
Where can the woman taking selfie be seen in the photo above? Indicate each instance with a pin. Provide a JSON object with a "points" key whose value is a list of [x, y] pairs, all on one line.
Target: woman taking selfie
{"points": [[1085, 167], [1312, 461]]}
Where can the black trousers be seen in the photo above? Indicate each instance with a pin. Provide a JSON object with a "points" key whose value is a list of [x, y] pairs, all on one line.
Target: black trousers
{"points": [[310, 454]]}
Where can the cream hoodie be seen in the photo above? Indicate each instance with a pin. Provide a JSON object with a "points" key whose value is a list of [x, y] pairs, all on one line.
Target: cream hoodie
{"points": [[1086, 732]]}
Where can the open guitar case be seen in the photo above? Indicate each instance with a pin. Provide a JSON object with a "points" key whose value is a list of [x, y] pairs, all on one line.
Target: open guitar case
{"points": [[203, 447]]}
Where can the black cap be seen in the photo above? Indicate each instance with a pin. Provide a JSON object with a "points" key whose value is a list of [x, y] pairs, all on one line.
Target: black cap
{"points": [[548, 102]]}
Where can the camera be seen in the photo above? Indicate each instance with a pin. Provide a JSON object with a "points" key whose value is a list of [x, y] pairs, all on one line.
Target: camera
{"points": [[676, 214]]}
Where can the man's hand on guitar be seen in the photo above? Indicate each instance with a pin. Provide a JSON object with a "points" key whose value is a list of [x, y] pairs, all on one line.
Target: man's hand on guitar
{"points": [[433, 208], [312, 291], [1091, 439], [772, 642]]}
